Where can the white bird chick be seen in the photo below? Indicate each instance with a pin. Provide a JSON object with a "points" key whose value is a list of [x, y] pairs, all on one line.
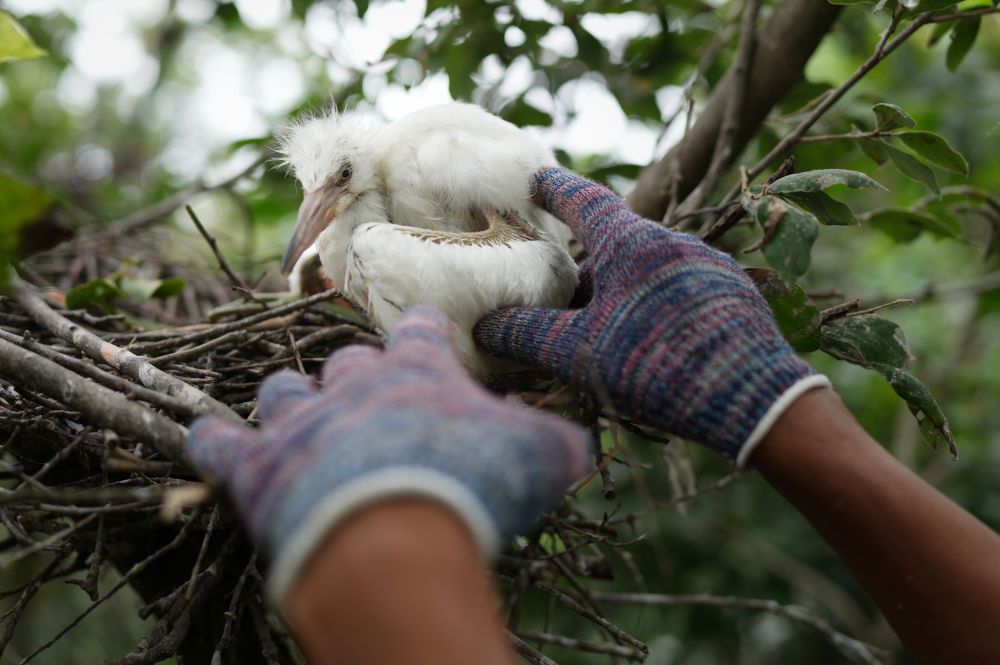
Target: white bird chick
{"points": [[432, 209]]}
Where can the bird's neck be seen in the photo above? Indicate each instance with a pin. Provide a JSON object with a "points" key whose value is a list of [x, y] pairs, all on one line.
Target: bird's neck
{"points": [[335, 242]]}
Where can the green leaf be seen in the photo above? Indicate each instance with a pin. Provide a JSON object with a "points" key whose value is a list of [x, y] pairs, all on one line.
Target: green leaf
{"points": [[930, 5], [865, 340], [814, 181], [825, 208], [98, 293], [798, 318], [934, 149], [15, 42], [903, 225], [362, 6], [171, 286], [551, 543], [256, 142], [21, 205], [939, 31], [141, 289], [913, 168], [889, 116], [875, 149], [789, 235], [523, 114], [931, 419], [460, 66]]}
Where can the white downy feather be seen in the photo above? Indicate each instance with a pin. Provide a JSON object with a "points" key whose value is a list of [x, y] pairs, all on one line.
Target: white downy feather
{"points": [[429, 170]]}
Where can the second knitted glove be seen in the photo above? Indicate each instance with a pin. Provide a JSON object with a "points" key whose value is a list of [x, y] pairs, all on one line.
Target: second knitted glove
{"points": [[675, 334]]}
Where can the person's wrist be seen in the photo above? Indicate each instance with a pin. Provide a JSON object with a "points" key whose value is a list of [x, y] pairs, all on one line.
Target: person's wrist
{"points": [[403, 567], [391, 535], [814, 422]]}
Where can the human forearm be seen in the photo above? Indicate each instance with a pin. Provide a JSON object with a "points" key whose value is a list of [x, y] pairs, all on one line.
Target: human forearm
{"points": [[929, 565], [400, 582]]}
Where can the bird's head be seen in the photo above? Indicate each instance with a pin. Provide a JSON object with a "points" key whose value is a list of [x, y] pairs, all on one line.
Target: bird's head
{"points": [[335, 158]]}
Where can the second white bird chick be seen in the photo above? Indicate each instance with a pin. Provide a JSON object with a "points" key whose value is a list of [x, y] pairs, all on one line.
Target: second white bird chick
{"points": [[431, 209]]}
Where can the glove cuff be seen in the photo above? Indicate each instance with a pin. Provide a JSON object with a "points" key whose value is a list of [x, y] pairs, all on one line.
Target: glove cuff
{"points": [[291, 555], [775, 411]]}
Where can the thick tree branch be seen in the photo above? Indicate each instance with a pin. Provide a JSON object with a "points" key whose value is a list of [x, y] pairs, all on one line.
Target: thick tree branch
{"points": [[832, 97], [97, 403], [785, 43], [121, 359], [725, 145]]}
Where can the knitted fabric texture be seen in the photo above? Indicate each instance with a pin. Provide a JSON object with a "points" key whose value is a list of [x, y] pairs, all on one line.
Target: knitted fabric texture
{"points": [[406, 421], [675, 333]]}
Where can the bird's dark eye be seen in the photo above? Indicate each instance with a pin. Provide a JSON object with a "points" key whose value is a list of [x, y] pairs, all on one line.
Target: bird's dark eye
{"points": [[345, 173]]}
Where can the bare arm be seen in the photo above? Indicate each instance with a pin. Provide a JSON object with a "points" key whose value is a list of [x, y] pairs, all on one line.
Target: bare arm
{"points": [[932, 568], [401, 582]]}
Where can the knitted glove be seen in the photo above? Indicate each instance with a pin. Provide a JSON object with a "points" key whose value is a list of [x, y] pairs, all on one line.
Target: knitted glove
{"points": [[675, 334], [406, 421]]}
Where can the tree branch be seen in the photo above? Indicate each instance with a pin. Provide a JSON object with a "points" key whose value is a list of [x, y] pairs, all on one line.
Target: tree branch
{"points": [[97, 403], [725, 145], [854, 649], [785, 43], [831, 98], [121, 359]]}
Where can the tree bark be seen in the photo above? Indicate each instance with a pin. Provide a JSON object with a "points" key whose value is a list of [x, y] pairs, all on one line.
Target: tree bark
{"points": [[785, 44]]}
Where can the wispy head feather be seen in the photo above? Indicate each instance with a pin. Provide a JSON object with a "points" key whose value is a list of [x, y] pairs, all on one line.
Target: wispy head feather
{"points": [[316, 145]]}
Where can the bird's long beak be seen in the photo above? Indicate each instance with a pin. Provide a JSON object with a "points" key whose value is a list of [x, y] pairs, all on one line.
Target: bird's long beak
{"points": [[315, 214]]}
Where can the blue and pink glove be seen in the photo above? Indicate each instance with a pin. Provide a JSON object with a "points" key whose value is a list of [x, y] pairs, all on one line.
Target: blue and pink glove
{"points": [[675, 334], [408, 421]]}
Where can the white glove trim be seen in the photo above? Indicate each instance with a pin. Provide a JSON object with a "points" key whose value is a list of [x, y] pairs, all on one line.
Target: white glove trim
{"points": [[370, 489], [796, 390]]}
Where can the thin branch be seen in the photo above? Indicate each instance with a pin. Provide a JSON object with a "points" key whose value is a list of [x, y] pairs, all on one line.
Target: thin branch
{"points": [[736, 212], [121, 359], [45, 544], [135, 391], [528, 652], [854, 649], [240, 324], [971, 13], [157, 211], [591, 616], [233, 278], [126, 578], [786, 41], [885, 305], [97, 403], [580, 645], [232, 613], [831, 98]]}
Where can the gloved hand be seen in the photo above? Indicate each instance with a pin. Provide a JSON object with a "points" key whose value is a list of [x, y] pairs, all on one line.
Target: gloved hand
{"points": [[675, 334], [408, 421]]}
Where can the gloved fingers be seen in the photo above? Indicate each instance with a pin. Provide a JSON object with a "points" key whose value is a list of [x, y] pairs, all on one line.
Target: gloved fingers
{"points": [[353, 359], [596, 215], [425, 337], [585, 288], [532, 335], [282, 391], [213, 443]]}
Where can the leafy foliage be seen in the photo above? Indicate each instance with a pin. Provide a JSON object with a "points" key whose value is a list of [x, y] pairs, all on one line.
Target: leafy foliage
{"points": [[831, 228], [15, 42], [22, 204]]}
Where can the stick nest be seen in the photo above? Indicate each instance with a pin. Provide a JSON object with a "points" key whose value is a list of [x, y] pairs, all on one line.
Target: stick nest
{"points": [[87, 479]]}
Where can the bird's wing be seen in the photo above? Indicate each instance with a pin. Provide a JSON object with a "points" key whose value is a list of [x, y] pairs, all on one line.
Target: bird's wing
{"points": [[466, 275]]}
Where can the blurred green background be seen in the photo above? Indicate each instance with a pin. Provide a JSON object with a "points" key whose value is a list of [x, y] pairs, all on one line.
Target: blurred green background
{"points": [[136, 100]]}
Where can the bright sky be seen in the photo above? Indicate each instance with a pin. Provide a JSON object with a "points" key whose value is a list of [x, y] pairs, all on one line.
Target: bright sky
{"points": [[240, 90]]}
